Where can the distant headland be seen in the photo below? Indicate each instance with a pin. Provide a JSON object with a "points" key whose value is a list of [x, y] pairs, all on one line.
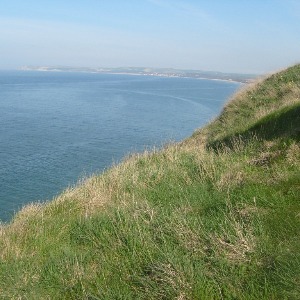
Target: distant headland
{"points": [[162, 72]]}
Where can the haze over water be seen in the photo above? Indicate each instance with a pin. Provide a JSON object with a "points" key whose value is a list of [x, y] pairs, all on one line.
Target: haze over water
{"points": [[56, 128]]}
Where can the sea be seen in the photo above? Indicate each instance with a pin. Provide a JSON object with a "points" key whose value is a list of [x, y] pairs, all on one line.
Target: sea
{"points": [[57, 128]]}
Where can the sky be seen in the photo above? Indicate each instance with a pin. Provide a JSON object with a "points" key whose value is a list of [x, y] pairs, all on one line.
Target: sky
{"points": [[241, 36]]}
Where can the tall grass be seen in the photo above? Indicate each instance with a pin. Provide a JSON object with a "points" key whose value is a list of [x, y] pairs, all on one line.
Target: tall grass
{"points": [[254, 102], [194, 220]]}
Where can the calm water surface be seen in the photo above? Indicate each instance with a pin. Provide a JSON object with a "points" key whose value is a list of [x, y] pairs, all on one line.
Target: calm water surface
{"points": [[56, 128]]}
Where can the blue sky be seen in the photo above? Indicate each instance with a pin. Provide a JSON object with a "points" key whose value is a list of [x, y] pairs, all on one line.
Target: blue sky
{"points": [[243, 36]]}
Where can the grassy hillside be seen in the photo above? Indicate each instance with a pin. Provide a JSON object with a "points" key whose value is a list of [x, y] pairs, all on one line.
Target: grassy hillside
{"points": [[214, 217]]}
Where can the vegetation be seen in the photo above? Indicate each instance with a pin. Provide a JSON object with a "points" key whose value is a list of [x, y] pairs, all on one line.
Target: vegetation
{"points": [[214, 217]]}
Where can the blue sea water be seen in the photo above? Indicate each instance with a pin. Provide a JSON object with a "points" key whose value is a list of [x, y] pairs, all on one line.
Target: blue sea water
{"points": [[56, 128]]}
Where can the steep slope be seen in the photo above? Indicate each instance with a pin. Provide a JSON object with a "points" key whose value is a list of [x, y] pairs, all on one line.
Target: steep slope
{"points": [[214, 217], [251, 105]]}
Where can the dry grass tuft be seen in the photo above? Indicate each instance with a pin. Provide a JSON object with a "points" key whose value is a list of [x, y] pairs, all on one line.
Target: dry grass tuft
{"points": [[167, 276], [235, 247], [96, 193], [293, 155], [189, 236], [247, 211], [28, 212], [265, 158], [230, 179], [236, 240]]}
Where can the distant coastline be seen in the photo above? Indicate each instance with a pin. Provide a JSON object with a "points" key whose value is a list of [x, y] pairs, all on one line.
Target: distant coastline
{"points": [[159, 72]]}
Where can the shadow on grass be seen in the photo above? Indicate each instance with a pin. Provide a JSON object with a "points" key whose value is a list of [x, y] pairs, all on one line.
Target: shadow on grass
{"points": [[284, 123]]}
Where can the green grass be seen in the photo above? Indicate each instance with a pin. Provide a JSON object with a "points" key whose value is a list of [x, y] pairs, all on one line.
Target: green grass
{"points": [[214, 217], [252, 103]]}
